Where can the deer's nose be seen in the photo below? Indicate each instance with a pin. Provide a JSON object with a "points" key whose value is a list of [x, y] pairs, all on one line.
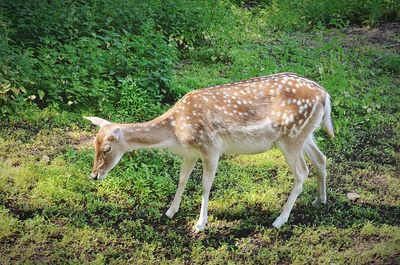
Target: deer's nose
{"points": [[94, 175]]}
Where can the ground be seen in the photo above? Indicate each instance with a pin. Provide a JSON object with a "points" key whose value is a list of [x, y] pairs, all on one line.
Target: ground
{"points": [[51, 213]]}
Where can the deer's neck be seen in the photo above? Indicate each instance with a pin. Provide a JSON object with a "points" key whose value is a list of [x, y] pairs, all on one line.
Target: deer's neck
{"points": [[158, 133]]}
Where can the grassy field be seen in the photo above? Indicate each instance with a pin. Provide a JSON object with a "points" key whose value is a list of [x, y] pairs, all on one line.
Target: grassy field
{"points": [[51, 213]]}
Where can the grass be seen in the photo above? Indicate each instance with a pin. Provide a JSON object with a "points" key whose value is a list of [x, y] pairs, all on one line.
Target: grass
{"points": [[51, 213]]}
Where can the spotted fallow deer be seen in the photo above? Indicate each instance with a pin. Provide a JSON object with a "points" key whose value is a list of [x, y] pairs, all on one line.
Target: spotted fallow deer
{"points": [[245, 117]]}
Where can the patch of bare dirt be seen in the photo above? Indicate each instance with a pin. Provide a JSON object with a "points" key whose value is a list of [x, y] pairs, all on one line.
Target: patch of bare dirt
{"points": [[385, 35]]}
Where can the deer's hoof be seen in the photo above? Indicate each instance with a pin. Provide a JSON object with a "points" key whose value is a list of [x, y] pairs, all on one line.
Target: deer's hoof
{"points": [[170, 213], [318, 202], [278, 222], [199, 227]]}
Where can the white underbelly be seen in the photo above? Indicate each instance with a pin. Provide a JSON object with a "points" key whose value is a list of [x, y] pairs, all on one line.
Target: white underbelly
{"points": [[246, 146], [249, 139]]}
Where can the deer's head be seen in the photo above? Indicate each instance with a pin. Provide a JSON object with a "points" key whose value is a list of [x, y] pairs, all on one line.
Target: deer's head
{"points": [[108, 146]]}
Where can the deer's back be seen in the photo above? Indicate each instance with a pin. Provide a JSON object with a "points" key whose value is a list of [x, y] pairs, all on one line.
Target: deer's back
{"points": [[256, 110]]}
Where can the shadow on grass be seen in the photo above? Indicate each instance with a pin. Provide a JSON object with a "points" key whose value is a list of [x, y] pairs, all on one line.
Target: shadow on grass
{"points": [[226, 226], [336, 212]]}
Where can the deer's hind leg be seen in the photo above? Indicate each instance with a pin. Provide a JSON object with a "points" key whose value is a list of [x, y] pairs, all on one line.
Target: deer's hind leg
{"points": [[318, 159], [210, 164], [293, 152]]}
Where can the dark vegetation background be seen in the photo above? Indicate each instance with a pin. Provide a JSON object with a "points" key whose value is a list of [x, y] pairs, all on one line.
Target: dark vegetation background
{"points": [[128, 60]]}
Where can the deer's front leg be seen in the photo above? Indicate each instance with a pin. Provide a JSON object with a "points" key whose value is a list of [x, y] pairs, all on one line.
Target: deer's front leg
{"points": [[210, 164], [187, 166]]}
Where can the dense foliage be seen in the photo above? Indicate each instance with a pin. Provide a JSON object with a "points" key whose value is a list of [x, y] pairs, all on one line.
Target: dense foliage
{"points": [[80, 54], [95, 53], [130, 60]]}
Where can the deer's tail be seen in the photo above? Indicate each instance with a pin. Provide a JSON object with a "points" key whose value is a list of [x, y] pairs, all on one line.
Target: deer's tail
{"points": [[327, 123]]}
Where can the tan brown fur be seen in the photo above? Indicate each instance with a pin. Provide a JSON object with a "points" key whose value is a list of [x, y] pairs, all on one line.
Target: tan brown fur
{"points": [[275, 97]]}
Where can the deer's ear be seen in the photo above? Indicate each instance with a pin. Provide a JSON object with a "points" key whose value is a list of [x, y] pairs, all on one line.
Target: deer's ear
{"points": [[116, 133], [97, 121]]}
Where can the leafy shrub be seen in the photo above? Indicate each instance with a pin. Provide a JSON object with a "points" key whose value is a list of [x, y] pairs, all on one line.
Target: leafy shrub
{"points": [[15, 73], [90, 71], [66, 21], [83, 54], [355, 12], [303, 15], [70, 20], [98, 54], [185, 22]]}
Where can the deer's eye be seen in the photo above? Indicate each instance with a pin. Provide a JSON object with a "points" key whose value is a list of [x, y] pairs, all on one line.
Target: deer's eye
{"points": [[107, 148]]}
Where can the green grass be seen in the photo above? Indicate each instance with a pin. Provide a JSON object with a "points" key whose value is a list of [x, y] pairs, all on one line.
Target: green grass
{"points": [[51, 213]]}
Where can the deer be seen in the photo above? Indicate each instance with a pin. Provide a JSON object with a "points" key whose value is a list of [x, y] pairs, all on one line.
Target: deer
{"points": [[245, 117]]}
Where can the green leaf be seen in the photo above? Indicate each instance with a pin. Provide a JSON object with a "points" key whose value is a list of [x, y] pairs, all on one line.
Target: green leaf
{"points": [[41, 94]]}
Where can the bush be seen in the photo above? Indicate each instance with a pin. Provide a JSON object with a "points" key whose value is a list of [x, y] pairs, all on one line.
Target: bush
{"points": [[66, 21], [185, 22], [304, 15], [97, 54], [83, 54], [90, 71]]}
